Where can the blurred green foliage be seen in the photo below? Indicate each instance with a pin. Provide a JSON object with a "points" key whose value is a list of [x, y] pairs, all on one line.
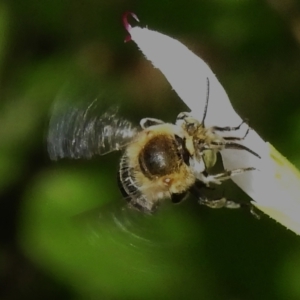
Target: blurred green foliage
{"points": [[55, 242]]}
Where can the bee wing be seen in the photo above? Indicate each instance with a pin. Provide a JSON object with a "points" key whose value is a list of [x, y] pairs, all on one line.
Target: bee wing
{"points": [[124, 225], [82, 132]]}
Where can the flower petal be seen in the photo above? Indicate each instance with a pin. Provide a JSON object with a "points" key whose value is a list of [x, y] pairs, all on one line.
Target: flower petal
{"points": [[187, 74]]}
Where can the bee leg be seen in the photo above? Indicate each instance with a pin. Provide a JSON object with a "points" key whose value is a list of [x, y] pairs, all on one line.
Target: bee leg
{"points": [[222, 202], [228, 128], [219, 203], [147, 122], [234, 138], [218, 178], [188, 120], [232, 145], [177, 198], [183, 116], [226, 203], [251, 208]]}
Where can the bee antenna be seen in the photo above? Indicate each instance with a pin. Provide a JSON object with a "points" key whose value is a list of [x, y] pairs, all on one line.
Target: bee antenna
{"points": [[206, 104]]}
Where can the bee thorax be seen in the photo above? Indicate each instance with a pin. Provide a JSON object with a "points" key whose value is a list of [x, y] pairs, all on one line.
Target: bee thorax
{"points": [[159, 157]]}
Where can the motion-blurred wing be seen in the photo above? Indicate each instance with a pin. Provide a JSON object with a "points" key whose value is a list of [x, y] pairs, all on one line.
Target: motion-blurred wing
{"points": [[82, 132]]}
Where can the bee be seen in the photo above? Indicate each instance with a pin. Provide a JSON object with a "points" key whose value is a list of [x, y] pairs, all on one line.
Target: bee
{"points": [[160, 160]]}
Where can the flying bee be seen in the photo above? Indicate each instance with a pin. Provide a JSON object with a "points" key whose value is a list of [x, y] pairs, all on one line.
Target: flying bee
{"points": [[160, 160]]}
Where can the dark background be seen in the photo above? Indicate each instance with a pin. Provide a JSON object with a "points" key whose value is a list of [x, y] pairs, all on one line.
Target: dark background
{"points": [[184, 251]]}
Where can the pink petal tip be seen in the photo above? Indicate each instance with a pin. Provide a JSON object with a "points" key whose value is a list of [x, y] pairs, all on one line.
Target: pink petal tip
{"points": [[126, 23]]}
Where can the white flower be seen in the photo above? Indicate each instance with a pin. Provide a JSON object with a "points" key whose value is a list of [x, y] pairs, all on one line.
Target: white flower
{"points": [[268, 186]]}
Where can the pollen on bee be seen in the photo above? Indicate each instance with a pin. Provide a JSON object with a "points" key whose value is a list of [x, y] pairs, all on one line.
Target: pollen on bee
{"points": [[167, 181]]}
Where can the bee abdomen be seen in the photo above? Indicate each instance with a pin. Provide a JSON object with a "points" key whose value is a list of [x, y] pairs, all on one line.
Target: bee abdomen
{"points": [[127, 179], [129, 188]]}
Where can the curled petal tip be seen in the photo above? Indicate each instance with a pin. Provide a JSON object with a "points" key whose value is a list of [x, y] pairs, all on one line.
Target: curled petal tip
{"points": [[127, 39], [126, 23]]}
